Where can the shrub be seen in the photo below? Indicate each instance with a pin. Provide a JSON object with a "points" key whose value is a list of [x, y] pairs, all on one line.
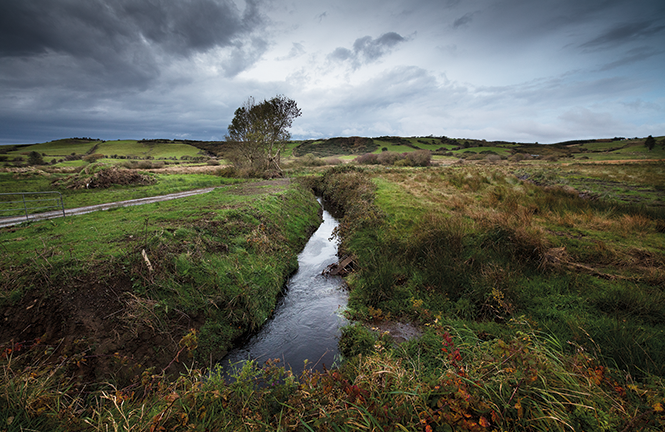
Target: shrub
{"points": [[92, 158], [144, 164], [310, 160], [35, 158], [367, 159], [406, 162], [227, 171], [388, 158], [493, 158], [420, 157], [333, 161]]}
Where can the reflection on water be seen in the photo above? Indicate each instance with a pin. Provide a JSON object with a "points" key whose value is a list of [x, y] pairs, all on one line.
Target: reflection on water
{"points": [[307, 321]]}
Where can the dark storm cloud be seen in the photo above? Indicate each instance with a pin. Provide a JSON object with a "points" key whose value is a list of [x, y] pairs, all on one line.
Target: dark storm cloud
{"points": [[123, 35], [623, 33], [182, 27], [367, 49]]}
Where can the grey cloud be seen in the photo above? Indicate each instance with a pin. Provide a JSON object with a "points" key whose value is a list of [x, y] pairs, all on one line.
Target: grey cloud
{"points": [[368, 49], [464, 20], [243, 56], [632, 56], [640, 105], [341, 54], [77, 28], [128, 38], [623, 33]]}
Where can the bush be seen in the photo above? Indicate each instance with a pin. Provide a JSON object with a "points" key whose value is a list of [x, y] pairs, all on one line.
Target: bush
{"points": [[367, 159], [35, 158], [420, 158], [310, 160], [388, 158], [493, 158], [406, 162], [333, 161], [227, 171], [92, 158]]}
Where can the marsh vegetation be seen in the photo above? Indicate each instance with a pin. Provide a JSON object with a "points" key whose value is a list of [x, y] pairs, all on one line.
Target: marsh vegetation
{"points": [[538, 287]]}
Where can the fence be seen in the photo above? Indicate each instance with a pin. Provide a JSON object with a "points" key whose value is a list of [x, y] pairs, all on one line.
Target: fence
{"points": [[41, 201]]}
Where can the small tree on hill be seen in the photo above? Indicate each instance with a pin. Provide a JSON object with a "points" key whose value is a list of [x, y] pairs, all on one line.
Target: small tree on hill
{"points": [[650, 143], [258, 132], [35, 158]]}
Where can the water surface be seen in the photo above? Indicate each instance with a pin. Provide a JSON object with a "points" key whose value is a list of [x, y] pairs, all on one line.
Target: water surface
{"points": [[307, 320]]}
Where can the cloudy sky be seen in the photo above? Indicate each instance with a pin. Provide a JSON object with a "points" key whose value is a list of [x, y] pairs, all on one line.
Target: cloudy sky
{"points": [[515, 70]]}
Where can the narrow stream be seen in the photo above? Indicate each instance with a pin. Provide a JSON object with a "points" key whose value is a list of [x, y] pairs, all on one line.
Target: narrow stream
{"points": [[307, 320]]}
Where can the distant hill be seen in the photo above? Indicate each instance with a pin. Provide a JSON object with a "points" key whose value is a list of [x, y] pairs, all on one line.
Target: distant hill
{"points": [[78, 151]]}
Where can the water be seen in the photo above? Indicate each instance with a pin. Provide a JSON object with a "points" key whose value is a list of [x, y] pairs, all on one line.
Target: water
{"points": [[307, 320]]}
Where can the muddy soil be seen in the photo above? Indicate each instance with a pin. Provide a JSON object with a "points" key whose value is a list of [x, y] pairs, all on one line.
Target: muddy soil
{"points": [[89, 320]]}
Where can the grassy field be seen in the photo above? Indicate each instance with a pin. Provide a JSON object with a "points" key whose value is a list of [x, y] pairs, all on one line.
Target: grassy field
{"points": [[140, 150], [537, 287], [59, 148], [72, 198], [135, 290]]}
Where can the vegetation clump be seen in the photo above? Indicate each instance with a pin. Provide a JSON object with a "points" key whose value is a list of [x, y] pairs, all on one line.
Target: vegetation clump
{"points": [[102, 177], [419, 158]]}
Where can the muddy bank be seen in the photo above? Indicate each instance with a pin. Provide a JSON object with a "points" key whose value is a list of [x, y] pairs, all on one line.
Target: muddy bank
{"points": [[178, 294]]}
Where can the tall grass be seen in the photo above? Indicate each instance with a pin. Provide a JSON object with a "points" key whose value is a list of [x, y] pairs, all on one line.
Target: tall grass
{"points": [[477, 244]]}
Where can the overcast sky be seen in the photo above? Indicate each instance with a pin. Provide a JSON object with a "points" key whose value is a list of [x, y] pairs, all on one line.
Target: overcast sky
{"points": [[515, 70]]}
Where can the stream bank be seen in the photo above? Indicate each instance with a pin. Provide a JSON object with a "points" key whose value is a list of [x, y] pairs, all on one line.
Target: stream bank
{"points": [[305, 327]]}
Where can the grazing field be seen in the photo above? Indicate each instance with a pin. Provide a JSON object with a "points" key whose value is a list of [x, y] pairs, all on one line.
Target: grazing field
{"points": [[536, 286], [144, 149]]}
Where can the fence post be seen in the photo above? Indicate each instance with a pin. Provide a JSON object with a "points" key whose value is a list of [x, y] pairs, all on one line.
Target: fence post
{"points": [[62, 204], [25, 208]]}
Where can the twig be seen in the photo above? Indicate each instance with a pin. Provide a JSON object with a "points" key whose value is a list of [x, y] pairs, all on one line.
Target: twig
{"points": [[145, 258]]}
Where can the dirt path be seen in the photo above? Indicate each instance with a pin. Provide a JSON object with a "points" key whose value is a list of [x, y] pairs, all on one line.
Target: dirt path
{"points": [[240, 189]]}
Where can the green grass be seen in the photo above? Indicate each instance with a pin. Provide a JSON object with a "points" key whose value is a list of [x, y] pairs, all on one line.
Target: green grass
{"points": [[165, 184], [518, 333], [478, 245], [60, 148], [227, 249], [156, 150]]}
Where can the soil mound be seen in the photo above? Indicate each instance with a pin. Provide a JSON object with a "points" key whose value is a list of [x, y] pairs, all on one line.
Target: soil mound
{"points": [[105, 178]]}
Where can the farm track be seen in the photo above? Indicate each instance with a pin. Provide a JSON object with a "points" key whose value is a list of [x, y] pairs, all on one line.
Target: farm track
{"points": [[248, 188], [5, 222]]}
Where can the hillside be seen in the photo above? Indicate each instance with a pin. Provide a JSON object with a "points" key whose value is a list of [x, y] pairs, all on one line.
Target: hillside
{"points": [[73, 152]]}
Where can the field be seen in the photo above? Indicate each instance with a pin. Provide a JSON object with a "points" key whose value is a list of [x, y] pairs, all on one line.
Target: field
{"points": [[537, 285]]}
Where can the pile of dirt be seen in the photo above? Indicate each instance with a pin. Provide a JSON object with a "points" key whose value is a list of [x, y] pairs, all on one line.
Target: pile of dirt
{"points": [[107, 329], [105, 178]]}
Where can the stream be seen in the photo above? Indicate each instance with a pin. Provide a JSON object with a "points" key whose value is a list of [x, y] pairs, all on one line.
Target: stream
{"points": [[307, 320]]}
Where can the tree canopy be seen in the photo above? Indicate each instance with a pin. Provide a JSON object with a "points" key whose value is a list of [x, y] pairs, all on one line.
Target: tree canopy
{"points": [[259, 131], [650, 142]]}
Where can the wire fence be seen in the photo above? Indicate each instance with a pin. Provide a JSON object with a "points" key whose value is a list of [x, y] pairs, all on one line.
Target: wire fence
{"points": [[30, 203]]}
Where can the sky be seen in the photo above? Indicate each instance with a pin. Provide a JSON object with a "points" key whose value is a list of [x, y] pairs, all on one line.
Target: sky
{"points": [[513, 70]]}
